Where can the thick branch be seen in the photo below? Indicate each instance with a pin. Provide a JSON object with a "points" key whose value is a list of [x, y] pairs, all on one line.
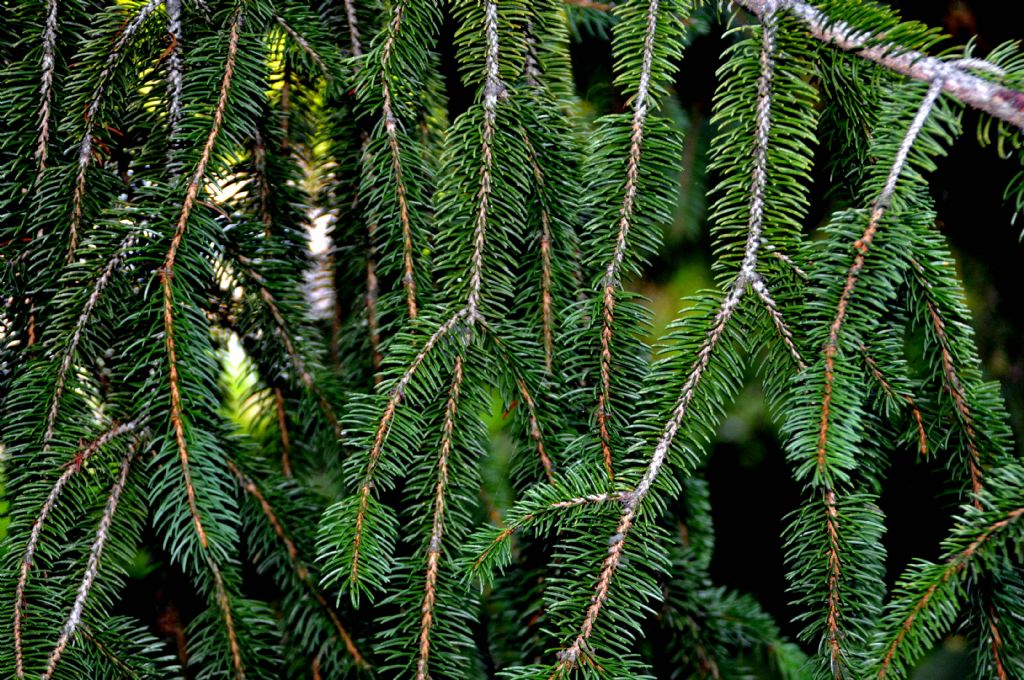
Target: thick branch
{"points": [[955, 78]]}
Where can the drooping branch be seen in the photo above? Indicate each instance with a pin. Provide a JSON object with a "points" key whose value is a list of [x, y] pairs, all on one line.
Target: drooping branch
{"points": [[955, 78], [85, 146], [831, 352], [175, 83], [166, 277], [384, 426], [67, 357], [954, 565], [569, 656], [73, 466], [49, 65], [612, 272], [883, 382], [391, 129], [437, 524], [493, 87], [93, 565], [301, 571], [547, 299]]}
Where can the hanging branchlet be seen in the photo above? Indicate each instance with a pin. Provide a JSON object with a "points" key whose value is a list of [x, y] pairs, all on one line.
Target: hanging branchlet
{"points": [[49, 66]]}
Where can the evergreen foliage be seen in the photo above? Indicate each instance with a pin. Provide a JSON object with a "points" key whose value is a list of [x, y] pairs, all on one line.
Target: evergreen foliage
{"points": [[441, 446]]}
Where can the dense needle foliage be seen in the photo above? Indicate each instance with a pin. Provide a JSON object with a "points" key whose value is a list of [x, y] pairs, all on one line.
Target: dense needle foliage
{"points": [[353, 367]]}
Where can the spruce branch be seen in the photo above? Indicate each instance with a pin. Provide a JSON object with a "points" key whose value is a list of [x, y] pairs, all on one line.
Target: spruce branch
{"points": [[830, 353], [304, 45], [282, 428], [956, 390], [175, 81], [384, 426], [571, 655], [438, 523], [391, 128], [943, 578], [298, 564], [93, 565], [547, 299], [49, 66], [493, 89], [166, 278], [353, 28], [954, 77], [641, 104], [167, 271], [85, 146], [886, 385], [72, 467], [68, 355]]}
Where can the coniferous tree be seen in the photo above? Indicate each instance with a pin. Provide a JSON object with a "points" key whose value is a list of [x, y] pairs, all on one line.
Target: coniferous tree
{"points": [[320, 317]]}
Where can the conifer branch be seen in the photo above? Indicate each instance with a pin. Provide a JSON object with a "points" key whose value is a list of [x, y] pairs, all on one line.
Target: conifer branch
{"points": [[437, 524], [876, 373], [954, 77], [93, 564], [526, 520], [612, 276], [547, 300], [299, 566], [49, 66], [535, 431], [831, 352], [72, 467], [175, 82], [391, 128], [569, 656], [282, 428], [166, 276], [167, 273], [224, 604], [759, 286], [956, 390], [954, 565], [67, 357], [304, 46], [300, 366], [85, 146], [493, 89], [353, 28], [395, 398], [861, 246]]}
